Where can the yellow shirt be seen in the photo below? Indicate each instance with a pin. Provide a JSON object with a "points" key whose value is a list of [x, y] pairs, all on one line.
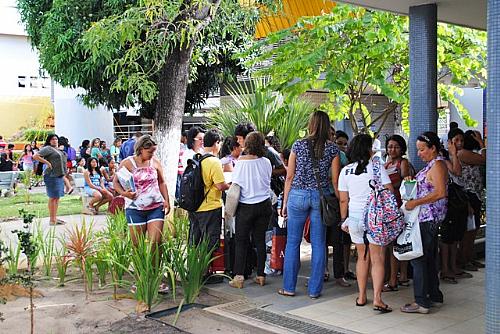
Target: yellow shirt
{"points": [[211, 169]]}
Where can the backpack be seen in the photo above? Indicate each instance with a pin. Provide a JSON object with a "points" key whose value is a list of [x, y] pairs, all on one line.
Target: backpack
{"points": [[71, 154], [192, 189], [382, 218]]}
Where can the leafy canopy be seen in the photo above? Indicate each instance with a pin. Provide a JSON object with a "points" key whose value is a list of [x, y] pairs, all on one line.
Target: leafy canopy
{"points": [[115, 50], [354, 51]]}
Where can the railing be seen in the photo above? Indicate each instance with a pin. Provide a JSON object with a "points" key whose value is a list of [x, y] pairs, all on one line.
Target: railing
{"points": [[127, 131]]}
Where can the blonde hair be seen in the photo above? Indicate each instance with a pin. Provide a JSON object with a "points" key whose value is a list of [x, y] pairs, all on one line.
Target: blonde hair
{"points": [[145, 141]]}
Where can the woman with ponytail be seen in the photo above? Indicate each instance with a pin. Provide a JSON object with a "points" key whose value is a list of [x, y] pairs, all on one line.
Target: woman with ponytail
{"points": [[354, 187]]}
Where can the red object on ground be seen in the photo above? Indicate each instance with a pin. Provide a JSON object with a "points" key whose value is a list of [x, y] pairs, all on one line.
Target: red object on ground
{"points": [[307, 230], [118, 203], [278, 248], [217, 264]]}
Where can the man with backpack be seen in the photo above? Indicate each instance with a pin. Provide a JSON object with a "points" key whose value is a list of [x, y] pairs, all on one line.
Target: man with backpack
{"points": [[202, 185]]}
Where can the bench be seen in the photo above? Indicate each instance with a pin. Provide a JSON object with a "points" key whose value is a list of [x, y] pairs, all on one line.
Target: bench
{"points": [[7, 182], [79, 181]]}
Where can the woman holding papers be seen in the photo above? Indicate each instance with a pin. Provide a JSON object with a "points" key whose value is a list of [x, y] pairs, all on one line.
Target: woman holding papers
{"points": [[146, 195]]}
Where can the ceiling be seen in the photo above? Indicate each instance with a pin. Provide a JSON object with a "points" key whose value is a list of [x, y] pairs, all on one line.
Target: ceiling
{"points": [[468, 13]]}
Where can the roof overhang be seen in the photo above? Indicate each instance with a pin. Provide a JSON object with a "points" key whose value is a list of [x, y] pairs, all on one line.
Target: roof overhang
{"points": [[467, 13]]}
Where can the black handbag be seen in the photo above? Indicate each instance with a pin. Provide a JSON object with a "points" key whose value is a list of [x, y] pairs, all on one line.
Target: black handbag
{"points": [[329, 204]]}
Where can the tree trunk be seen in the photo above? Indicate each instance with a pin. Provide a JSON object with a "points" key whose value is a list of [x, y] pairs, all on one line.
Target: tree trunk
{"points": [[169, 111]]}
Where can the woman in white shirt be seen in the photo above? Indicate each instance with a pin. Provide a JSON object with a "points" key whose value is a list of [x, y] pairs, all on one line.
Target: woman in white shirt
{"points": [[354, 189], [253, 174], [194, 143]]}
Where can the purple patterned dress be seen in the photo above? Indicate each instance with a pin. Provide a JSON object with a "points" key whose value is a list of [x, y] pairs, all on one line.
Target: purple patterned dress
{"points": [[432, 212]]}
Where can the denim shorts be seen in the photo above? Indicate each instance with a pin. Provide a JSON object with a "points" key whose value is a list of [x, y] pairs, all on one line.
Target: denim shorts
{"points": [[54, 186], [142, 217], [89, 191]]}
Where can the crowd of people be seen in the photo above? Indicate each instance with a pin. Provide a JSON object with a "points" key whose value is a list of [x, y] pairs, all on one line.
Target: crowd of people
{"points": [[452, 178], [290, 183]]}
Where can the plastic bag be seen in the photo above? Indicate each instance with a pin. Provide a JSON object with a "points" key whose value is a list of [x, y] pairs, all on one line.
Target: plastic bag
{"points": [[408, 190], [408, 245]]}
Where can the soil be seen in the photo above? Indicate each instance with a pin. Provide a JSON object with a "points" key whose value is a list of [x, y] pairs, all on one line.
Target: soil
{"points": [[66, 310]]}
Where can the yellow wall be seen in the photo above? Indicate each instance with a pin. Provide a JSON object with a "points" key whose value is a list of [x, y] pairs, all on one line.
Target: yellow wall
{"points": [[291, 12], [17, 112]]}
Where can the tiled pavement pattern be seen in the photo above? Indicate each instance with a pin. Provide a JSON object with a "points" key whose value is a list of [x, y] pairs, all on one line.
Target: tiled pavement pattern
{"points": [[462, 312]]}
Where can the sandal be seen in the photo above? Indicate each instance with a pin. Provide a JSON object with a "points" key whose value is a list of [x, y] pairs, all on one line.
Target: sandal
{"points": [[57, 222], [285, 293], [414, 308], [470, 267], [342, 282], [360, 304], [350, 276], [477, 264], [405, 283], [389, 288], [463, 274], [163, 288], [449, 279], [382, 309]]}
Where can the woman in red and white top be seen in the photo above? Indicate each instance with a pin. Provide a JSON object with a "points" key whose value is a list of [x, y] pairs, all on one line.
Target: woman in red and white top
{"points": [[397, 168]]}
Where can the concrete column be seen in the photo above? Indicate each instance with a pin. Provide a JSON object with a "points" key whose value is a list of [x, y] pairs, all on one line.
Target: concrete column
{"points": [[492, 294], [423, 75]]}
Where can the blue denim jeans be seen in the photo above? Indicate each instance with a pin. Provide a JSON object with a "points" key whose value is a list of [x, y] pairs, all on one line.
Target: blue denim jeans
{"points": [[300, 205]]}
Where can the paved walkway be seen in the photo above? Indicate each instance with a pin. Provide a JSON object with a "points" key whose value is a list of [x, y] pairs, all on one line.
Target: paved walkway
{"points": [[6, 227], [462, 312]]}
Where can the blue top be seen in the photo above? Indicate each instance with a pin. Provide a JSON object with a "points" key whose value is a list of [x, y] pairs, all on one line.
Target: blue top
{"points": [[304, 175], [95, 178], [127, 149]]}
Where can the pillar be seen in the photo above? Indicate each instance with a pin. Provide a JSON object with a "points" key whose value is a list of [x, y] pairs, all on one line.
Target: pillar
{"points": [[492, 295], [423, 75]]}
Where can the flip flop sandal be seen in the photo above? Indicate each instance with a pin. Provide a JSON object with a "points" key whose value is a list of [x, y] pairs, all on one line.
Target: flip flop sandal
{"points": [[464, 274], [404, 283], [57, 222], [360, 304], [450, 280], [389, 288], [163, 289], [478, 264], [285, 293], [382, 309]]}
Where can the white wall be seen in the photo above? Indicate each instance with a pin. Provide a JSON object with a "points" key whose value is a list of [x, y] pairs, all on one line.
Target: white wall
{"points": [[472, 100], [17, 58], [77, 122]]}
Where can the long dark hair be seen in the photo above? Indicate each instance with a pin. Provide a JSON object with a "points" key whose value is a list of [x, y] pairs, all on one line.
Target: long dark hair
{"points": [[470, 143], [26, 148], [359, 151], [319, 132], [90, 168]]}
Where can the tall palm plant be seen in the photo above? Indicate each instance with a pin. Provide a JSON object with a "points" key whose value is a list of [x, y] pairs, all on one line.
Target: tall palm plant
{"points": [[267, 110], [293, 120]]}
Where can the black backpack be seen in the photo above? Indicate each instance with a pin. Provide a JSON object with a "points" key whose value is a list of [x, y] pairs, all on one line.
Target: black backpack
{"points": [[192, 190]]}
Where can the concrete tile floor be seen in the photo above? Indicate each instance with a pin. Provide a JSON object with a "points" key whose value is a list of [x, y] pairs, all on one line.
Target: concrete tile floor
{"points": [[462, 312]]}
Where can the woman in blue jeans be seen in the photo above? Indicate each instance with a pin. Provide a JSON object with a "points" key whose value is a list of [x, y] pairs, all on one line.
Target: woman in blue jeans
{"points": [[301, 199]]}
